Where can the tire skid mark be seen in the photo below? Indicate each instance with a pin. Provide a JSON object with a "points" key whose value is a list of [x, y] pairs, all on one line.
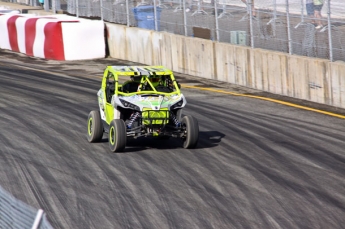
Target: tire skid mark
{"points": [[172, 194], [32, 192], [28, 180], [246, 178], [57, 214], [115, 181], [161, 192], [294, 189], [135, 184], [236, 123], [207, 189], [125, 187], [271, 132]]}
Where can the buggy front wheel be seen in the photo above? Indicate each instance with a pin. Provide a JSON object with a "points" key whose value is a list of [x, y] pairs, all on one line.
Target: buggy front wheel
{"points": [[191, 137], [117, 135], [94, 127]]}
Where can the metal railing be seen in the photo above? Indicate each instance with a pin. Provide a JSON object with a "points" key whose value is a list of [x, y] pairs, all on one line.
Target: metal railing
{"points": [[16, 214], [279, 25]]}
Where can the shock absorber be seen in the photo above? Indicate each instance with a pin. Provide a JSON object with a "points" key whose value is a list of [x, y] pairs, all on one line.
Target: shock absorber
{"points": [[133, 117], [174, 119]]}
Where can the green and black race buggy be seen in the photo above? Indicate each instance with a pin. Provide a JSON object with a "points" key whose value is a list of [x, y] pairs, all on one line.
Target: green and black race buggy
{"points": [[148, 103]]}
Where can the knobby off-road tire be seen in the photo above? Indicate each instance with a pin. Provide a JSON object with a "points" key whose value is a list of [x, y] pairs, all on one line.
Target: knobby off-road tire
{"points": [[94, 127], [117, 135], [192, 129]]}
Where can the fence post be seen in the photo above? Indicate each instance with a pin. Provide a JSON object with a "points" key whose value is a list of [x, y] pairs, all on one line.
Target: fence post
{"points": [[77, 7], [155, 14], [53, 6], [58, 4], [127, 12], [302, 15], [274, 19], [37, 219], [46, 5], [288, 27], [216, 17], [251, 23], [185, 18], [329, 31], [274, 12], [101, 5]]}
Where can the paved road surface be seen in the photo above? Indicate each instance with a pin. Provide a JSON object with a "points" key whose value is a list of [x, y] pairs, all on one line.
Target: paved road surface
{"points": [[258, 164]]}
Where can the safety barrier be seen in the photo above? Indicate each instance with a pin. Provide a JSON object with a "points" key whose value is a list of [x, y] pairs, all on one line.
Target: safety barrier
{"points": [[16, 214], [52, 37]]}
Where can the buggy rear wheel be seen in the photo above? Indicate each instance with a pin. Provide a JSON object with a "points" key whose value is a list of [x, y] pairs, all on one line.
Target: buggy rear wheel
{"points": [[117, 135], [192, 132], [94, 127]]}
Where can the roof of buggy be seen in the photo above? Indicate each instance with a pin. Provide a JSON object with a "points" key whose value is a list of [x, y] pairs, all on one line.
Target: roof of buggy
{"points": [[141, 70]]}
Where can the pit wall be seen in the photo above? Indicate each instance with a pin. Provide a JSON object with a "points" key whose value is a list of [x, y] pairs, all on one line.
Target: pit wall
{"points": [[316, 80]]}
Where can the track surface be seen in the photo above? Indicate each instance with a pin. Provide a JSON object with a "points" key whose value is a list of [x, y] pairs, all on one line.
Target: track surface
{"points": [[258, 164]]}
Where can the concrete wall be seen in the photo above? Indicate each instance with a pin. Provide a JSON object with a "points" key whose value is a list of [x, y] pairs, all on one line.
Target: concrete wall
{"points": [[336, 79], [312, 79]]}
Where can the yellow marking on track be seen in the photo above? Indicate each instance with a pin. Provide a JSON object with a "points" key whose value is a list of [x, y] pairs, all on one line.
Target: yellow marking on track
{"points": [[267, 99]]}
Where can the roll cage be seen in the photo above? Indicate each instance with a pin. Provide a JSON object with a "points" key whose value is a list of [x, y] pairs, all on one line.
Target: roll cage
{"points": [[141, 80]]}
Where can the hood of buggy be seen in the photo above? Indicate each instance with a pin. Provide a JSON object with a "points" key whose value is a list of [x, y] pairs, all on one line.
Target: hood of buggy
{"points": [[153, 102]]}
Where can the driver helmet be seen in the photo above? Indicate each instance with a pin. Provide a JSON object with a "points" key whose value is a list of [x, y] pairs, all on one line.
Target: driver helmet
{"points": [[155, 80]]}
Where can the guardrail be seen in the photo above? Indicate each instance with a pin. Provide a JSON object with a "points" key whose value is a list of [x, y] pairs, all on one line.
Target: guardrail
{"points": [[17, 214]]}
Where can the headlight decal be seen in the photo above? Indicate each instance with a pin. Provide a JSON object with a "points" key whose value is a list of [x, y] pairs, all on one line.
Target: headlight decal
{"points": [[177, 105], [129, 105]]}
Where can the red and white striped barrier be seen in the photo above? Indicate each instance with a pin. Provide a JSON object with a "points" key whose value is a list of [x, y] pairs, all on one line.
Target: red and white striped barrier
{"points": [[52, 37]]}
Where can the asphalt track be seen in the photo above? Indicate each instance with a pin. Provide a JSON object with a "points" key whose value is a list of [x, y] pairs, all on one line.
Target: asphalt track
{"points": [[259, 164]]}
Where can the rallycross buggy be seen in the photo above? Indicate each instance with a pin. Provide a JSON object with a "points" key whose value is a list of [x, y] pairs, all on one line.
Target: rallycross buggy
{"points": [[148, 103]]}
